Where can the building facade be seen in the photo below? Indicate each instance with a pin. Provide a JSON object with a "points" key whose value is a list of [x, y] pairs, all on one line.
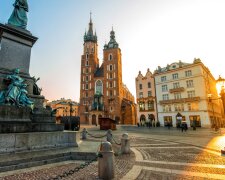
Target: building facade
{"points": [[102, 92], [64, 107], [187, 92], [146, 98]]}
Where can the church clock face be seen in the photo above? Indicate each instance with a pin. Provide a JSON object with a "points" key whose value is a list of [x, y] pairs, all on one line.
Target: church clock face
{"points": [[99, 87]]}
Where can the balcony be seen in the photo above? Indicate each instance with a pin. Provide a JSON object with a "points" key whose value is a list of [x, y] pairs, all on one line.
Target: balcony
{"points": [[145, 99], [146, 110], [174, 90], [182, 100]]}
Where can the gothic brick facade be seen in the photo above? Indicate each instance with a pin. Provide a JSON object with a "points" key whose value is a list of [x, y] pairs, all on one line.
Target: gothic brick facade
{"points": [[102, 92]]}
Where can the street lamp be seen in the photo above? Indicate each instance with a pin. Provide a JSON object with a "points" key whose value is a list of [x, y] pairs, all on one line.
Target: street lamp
{"points": [[71, 111], [210, 100], [221, 82], [220, 86]]}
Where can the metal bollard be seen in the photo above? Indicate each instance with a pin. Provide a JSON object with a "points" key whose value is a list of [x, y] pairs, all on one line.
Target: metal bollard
{"points": [[106, 161], [84, 134], [125, 144], [109, 136]]}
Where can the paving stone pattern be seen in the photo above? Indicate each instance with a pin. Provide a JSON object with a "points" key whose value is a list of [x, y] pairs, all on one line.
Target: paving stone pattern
{"points": [[151, 175], [151, 159], [123, 164]]}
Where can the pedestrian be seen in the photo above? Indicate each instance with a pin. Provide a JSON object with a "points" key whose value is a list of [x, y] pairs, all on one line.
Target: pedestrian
{"points": [[182, 126], [185, 127], [148, 123]]}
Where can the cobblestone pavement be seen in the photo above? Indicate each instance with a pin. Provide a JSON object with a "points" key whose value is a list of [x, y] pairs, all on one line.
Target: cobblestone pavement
{"points": [[123, 164], [170, 160], [152, 157]]}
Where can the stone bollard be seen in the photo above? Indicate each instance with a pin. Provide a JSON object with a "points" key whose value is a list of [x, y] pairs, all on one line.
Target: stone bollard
{"points": [[106, 161], [109, 136], [125, 144], [84, 134]]}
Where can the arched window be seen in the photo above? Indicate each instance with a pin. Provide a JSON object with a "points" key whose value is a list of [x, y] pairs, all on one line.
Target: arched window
{"points": [[98, 87], [110, 57]]}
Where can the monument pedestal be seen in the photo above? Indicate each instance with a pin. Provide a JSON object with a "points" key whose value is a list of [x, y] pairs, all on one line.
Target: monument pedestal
{"points": [[14, 119], [17, 142], [15, 48]]}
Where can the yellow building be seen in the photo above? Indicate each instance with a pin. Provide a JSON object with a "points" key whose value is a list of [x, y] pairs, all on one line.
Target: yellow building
{"points": [[64, 107], [187, 92]]}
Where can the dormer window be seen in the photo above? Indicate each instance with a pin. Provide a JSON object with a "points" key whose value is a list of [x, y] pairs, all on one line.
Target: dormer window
{"points": [[110, 57]]}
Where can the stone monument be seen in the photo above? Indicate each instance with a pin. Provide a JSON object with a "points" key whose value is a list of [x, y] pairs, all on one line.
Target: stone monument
{"points": [[25, 124]]}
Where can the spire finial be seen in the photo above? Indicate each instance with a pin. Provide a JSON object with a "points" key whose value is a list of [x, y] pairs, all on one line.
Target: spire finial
{"points": [[90, 16]]}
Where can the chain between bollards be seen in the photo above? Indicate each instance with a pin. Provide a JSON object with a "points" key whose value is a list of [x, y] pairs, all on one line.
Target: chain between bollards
{"points": [[84, 134], [115, 141], [75, 170], [96, 136]]}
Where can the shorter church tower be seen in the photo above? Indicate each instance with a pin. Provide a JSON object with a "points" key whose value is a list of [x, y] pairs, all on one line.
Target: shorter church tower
{"points": [[113, 78]]}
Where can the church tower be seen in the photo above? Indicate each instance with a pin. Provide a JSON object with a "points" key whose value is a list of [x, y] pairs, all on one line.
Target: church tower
{"points": [[113, 78], [89, 64], [102, 92]]}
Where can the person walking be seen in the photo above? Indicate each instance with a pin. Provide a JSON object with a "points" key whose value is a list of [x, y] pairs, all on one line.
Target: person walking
{"points": [[182, 126], [185, 127], [148, 123]]}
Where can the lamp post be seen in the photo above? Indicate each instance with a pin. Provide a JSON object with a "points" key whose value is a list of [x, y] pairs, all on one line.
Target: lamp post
{"points": [[221, 82], [210, 100], [71, 111]]}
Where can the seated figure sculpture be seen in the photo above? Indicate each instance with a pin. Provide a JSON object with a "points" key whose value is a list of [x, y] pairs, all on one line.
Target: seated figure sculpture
{"points": [[16, 94]]}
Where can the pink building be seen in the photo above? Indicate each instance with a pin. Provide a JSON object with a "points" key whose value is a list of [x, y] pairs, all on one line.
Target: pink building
{"points": [[146, 98]]}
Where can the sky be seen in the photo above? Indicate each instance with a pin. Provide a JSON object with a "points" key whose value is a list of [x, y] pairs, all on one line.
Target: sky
{"points": [[150, 33]]}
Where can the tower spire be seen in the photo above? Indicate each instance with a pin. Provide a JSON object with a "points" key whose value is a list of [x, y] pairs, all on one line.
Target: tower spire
{"points": [[90, 36], [112, 43], [90, 17]]}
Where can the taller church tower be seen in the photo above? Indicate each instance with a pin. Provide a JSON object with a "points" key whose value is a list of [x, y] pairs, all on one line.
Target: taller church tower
{"points": [[89, 64]]}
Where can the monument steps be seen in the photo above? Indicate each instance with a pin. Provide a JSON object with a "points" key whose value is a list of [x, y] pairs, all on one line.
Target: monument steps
{"points": [[14, 161], [31, 163]]}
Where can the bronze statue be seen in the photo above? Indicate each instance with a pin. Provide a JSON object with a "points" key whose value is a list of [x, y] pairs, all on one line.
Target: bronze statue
{"points": [[19, 14], [16, 93]]}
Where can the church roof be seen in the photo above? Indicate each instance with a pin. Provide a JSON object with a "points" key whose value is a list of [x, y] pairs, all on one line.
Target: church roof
{"points": [[112, 43], [99, 72]]}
